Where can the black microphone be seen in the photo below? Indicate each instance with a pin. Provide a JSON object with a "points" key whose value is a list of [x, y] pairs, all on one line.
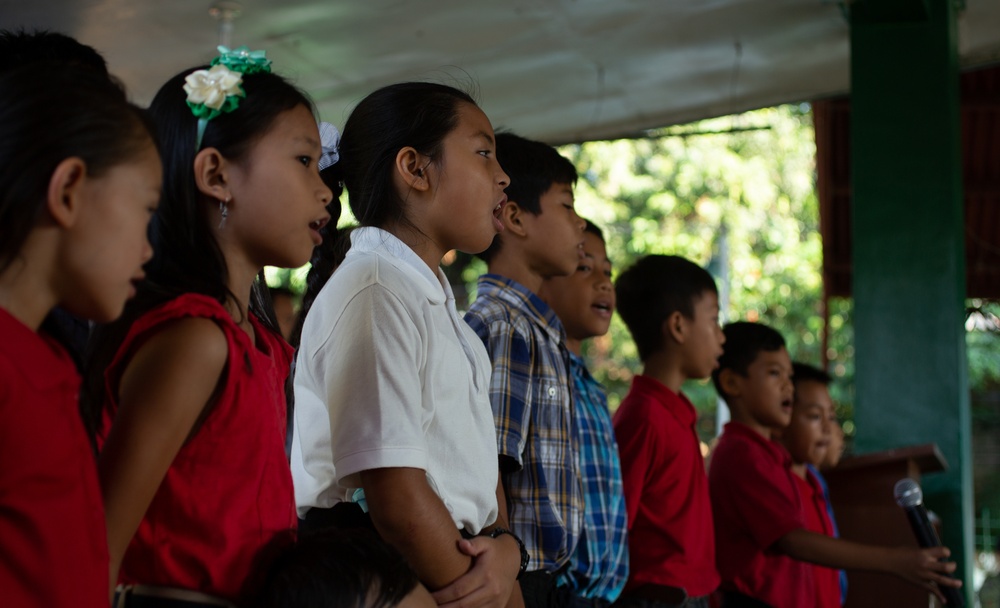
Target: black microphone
{"points": [[910, 497]]}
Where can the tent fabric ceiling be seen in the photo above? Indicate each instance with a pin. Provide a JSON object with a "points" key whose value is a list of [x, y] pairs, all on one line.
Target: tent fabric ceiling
{"points": [[557, 70]]}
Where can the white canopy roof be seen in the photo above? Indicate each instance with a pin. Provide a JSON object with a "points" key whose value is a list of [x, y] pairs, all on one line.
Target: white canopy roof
{"points": [[557, 70]]}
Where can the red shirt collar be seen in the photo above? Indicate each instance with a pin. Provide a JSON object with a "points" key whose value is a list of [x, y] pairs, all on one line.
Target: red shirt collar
{"points": [[775, 449], [40, 359], [677, 404]]}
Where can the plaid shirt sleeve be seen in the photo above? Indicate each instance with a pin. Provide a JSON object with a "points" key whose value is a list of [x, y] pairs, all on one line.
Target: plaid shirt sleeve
{"points": [[530, 394], [511, 383]]}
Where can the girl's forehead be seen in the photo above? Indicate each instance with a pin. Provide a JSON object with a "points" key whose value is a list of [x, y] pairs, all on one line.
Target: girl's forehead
{"points": [[295, 124], [296, 116], [473, 122]]}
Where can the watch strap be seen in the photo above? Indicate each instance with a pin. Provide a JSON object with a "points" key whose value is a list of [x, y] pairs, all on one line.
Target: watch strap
{"points": [[498, 531]]}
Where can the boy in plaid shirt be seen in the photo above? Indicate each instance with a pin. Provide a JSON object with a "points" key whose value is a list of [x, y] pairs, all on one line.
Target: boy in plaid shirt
{"points": [[530, 389], [584, 302]]}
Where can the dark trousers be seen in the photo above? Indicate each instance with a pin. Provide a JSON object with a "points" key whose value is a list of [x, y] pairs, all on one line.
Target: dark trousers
{"points": [[540, 590], [684, 601], [343, 515], [735, 599]]}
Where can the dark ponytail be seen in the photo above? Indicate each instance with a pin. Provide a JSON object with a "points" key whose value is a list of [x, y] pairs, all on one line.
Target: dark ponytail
{"points": [[415, 114]]}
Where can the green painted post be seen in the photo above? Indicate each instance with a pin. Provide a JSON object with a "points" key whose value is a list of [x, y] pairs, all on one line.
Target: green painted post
{"points": [[909, 269]]}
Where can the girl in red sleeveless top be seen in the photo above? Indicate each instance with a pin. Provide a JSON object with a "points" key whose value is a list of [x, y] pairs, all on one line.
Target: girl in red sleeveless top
{"points": [[197, 488], [80, 180]]}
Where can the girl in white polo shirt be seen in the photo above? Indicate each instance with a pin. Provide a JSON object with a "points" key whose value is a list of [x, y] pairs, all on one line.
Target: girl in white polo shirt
{"points": [[392, 413]]}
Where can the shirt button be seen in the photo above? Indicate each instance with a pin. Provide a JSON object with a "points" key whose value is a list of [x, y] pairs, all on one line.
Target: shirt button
{"points": [[552, 391]]}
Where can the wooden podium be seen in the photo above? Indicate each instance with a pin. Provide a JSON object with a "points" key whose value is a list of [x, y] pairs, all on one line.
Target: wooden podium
{"points": [[866, 511]]}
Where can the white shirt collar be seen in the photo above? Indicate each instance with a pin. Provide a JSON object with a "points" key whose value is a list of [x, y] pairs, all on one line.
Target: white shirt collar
{"points": [[371, 239]]}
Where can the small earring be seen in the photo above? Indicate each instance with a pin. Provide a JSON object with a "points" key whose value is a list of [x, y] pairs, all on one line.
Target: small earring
{"points": [[224, 210]]}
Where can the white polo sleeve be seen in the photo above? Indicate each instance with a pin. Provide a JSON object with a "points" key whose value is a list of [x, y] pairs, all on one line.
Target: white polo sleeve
{"points": [[373, 378]]}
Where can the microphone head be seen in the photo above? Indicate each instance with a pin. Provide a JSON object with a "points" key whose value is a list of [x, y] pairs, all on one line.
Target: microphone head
{"points": [[908, 493]]}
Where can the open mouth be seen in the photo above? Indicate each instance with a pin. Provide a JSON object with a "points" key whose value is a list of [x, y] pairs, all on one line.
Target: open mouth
{"points": [[134, 283], [603, 308], [497, 224], [315, 227]]}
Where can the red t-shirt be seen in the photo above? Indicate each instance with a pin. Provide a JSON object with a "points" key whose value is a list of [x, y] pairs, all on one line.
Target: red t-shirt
{"points": [[818, 520], [53, 544], [671, 537], [755, 501], [226, 503]]}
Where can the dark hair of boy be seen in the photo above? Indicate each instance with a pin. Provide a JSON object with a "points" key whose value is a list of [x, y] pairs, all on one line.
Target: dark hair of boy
{"points": [[338, 568], [802, 372], [533, 167], [590, 227], [654, 288], [744, 341]]}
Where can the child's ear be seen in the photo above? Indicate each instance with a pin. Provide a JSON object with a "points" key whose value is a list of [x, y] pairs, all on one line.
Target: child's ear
{"points": [[730, 382], [675, 327], [512, 218], [65, 191], [211, 174], [412, 167]]}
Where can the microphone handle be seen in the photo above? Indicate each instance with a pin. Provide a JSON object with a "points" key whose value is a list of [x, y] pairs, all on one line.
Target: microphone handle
{"points": [[922, 527], [927, 537]]}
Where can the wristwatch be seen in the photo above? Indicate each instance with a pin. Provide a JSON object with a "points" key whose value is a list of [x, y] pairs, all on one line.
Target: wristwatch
{"points": [[495, 532]]}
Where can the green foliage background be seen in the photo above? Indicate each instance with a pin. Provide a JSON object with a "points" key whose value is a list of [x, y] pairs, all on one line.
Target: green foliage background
{"points": [[748, 177]]}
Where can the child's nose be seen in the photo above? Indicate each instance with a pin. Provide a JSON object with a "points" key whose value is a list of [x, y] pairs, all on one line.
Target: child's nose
{"points": [[325, 194], [147, 250]]}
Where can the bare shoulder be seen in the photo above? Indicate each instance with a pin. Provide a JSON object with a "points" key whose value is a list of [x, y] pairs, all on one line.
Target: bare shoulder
{"points": [[183, 361], [196, 344]]}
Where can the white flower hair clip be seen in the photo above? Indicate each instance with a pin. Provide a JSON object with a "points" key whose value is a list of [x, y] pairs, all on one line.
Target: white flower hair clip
{"points": [[330, 140], [218, 90]]}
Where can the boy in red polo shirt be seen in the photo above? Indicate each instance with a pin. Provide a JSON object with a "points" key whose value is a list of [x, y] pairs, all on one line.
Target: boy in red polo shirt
{"points": [[807, 440], [762, 540], [671, 308]]}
